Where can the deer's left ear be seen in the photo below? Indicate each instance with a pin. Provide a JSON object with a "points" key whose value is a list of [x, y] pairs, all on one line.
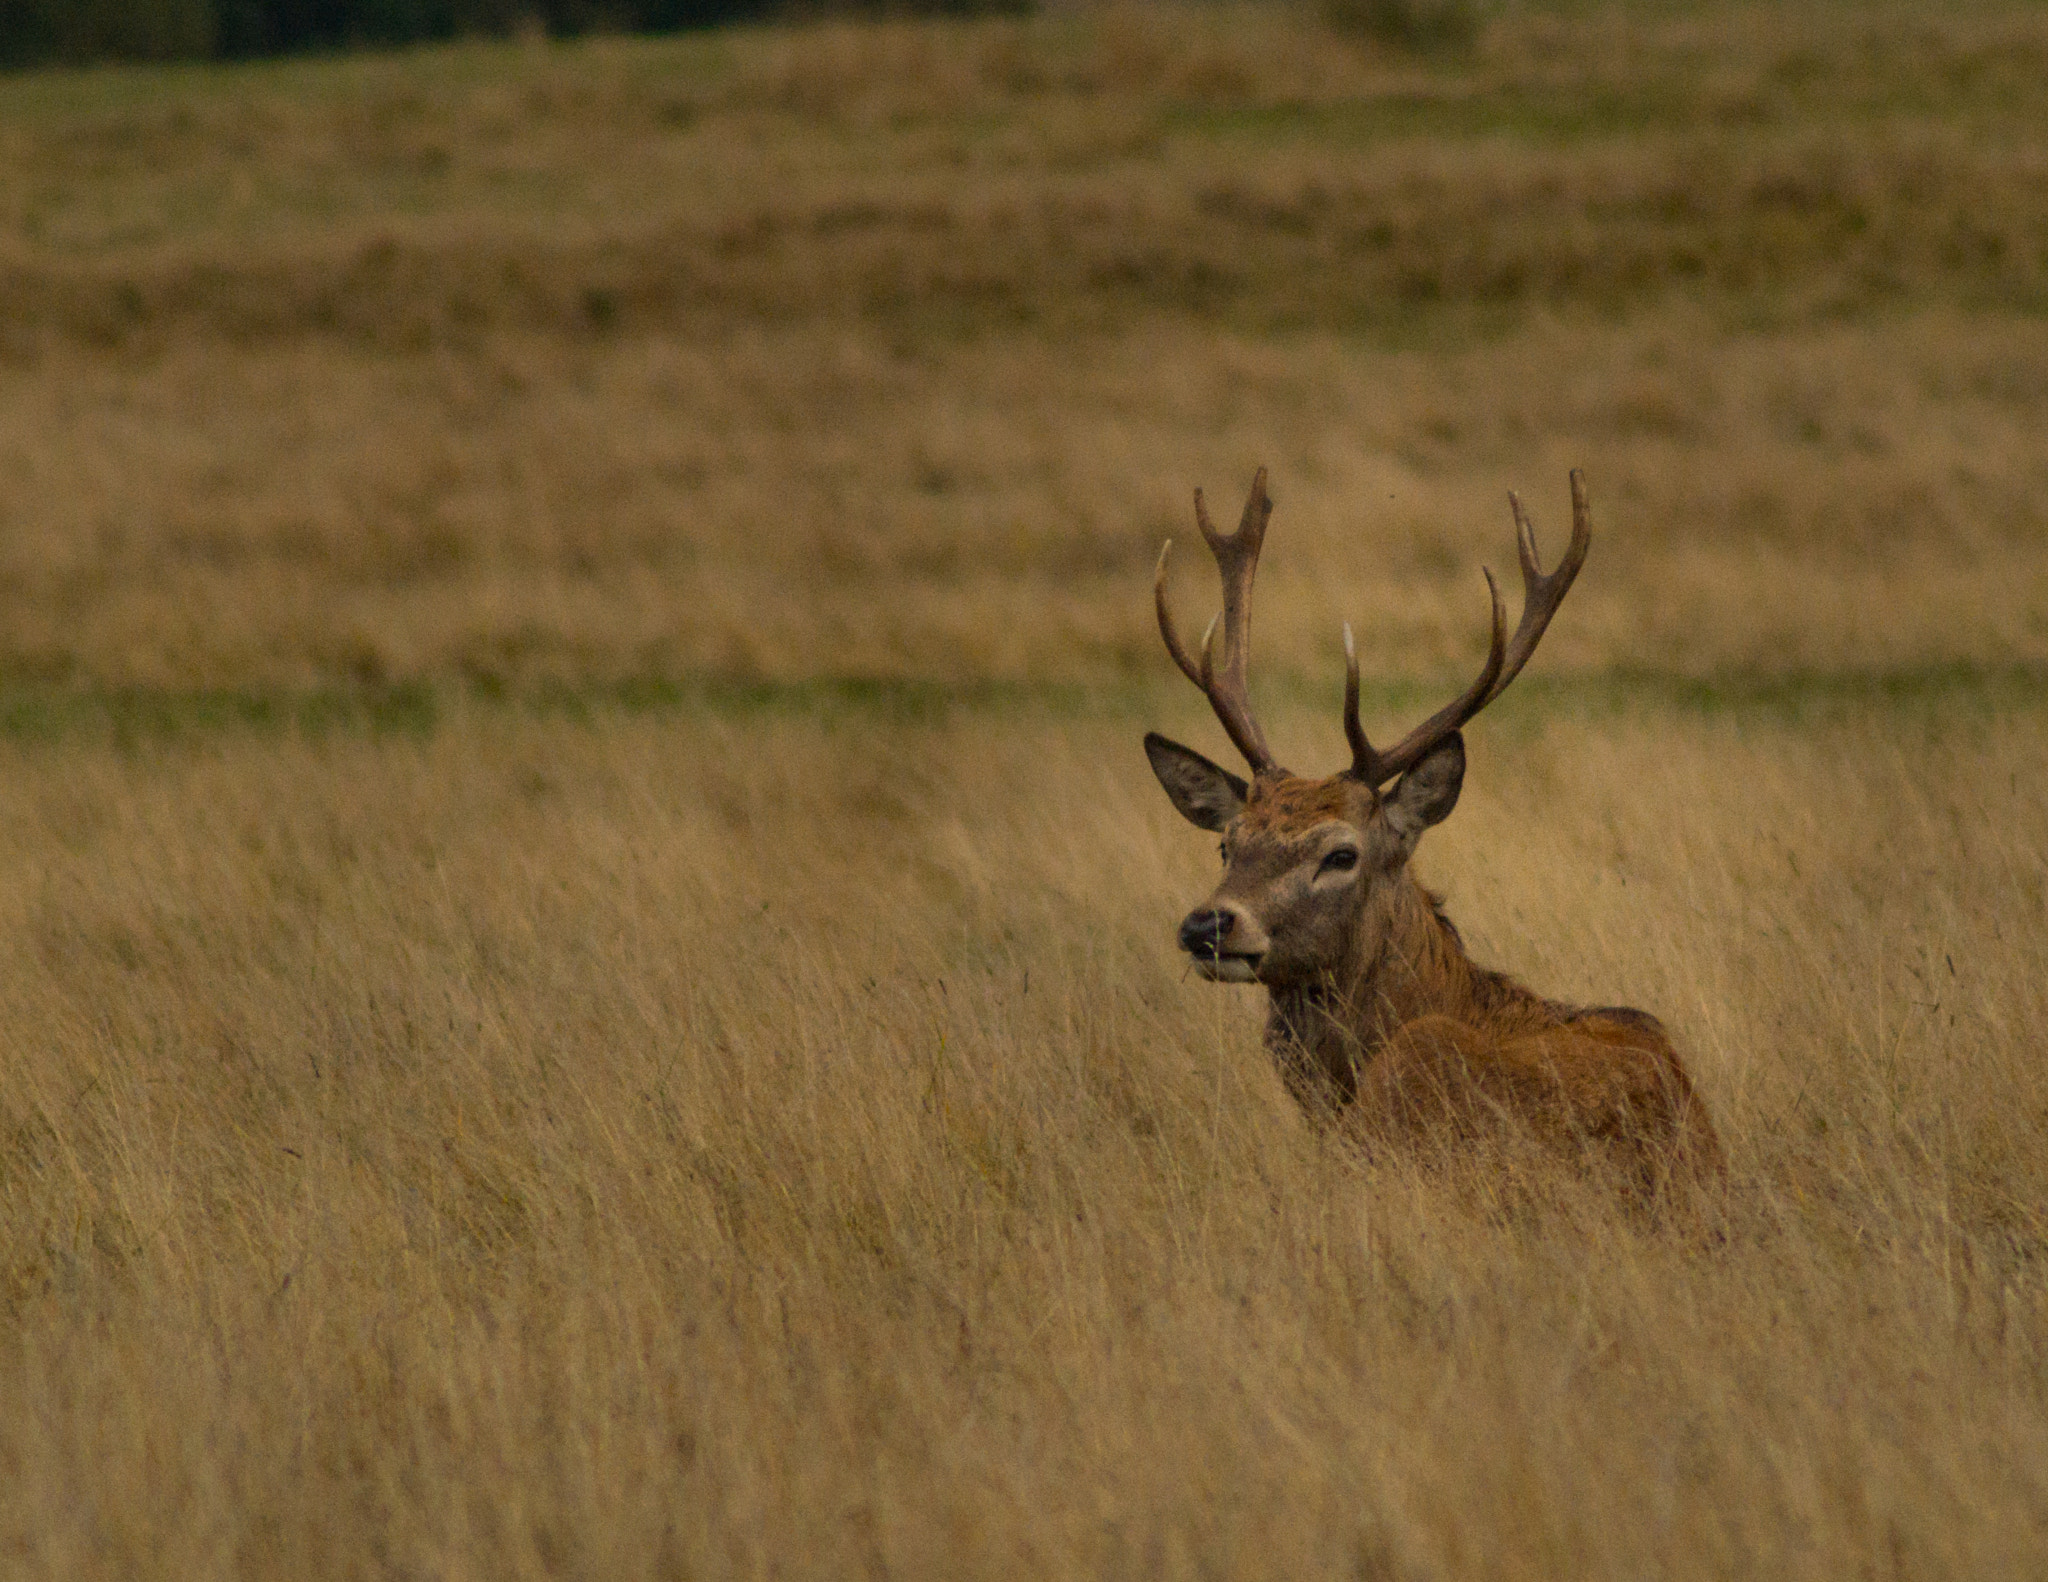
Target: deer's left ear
{"points": [[1426, 794], [1207, 794]]}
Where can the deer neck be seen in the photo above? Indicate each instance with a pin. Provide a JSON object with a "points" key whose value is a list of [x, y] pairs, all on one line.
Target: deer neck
{"points": [[1407, 961], [1404, 960]]}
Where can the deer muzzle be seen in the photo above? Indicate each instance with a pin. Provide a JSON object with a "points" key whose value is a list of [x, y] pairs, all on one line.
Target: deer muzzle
{"points": [[1215, 938]]}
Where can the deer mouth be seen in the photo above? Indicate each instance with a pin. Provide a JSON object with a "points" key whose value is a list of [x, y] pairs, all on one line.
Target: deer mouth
{"points": [[1202, 936], [1226, 968]]}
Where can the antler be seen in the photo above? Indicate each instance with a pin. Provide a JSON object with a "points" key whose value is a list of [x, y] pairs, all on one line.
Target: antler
{"points": [[1237, 561], [1541, 595]]}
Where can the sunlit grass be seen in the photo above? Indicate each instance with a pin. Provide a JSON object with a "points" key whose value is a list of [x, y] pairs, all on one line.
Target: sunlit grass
{"points": [[791, 1144]]}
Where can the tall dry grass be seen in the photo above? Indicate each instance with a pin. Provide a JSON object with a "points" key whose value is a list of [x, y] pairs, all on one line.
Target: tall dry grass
{"points": [[688, 1147]]}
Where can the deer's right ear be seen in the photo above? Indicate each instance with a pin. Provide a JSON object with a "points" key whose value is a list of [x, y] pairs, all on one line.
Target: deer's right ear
{"points": [[1206, 794]]}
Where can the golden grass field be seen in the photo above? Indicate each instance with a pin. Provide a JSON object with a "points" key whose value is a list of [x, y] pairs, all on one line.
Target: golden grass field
{"points": [[587, 985]]}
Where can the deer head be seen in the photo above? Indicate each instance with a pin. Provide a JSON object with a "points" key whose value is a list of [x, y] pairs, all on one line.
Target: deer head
{"points": [[1309, 863]]}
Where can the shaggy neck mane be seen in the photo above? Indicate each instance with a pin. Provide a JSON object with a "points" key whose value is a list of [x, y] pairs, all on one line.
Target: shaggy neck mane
{"points": [[1405, 960]]}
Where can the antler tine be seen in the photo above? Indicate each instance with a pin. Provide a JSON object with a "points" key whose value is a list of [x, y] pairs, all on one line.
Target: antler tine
{"points": [[1375, 768], [1174, 646], [1354, 733], [1542, 595], [1237, 562]]}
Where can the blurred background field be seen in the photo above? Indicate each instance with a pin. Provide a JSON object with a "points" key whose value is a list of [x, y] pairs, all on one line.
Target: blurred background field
{"points": [[588, 986], [894, 349]]}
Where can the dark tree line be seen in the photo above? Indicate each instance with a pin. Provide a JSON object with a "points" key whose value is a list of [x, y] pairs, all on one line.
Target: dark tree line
{"points": [[271, 27], [36, 31]]}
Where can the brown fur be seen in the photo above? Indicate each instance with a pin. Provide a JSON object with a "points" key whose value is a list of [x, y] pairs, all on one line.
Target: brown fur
{"points": [[1281, 803]]}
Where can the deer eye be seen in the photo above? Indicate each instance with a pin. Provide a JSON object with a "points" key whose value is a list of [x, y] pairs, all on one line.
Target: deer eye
{"points": [[1342, 860]]}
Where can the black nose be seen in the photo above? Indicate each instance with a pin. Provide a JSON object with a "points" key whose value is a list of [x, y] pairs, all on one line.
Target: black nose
{"points": [[1203, 933]]}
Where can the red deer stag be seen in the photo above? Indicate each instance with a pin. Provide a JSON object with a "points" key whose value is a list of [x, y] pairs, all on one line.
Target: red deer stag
{"points": [[1377, 1013]]}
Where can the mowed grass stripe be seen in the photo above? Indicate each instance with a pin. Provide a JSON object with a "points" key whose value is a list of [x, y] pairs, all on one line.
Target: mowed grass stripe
{"points": [[41, 714]]}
